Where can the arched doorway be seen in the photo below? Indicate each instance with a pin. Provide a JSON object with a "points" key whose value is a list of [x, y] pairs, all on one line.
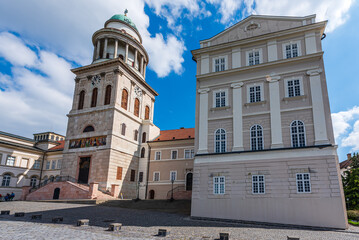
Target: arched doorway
{"points": [[84, 170], [189, 179], [152, 194], [56, 193]]}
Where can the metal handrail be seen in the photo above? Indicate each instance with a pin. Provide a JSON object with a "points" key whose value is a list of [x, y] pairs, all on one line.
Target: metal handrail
{"points": [[57, 179], [176, 189]]}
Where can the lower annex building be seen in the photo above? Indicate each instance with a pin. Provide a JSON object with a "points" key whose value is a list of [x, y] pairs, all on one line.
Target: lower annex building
{"points": [[262, 150]]}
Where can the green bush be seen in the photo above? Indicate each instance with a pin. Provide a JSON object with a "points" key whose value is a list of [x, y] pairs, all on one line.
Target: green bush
{"points": [[353, 214]]}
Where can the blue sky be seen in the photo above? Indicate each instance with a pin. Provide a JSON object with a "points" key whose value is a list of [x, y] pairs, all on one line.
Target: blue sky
{"points": [[40, 41]]}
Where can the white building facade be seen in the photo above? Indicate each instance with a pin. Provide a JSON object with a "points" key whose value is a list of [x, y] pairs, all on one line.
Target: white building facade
{"points": [[264, 137]]}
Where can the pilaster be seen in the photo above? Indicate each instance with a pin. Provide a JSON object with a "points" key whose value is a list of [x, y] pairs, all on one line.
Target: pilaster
{"points": [[320, 126], [237, 117], [275, 117], [105, 49], [205, 64], [236, 58], [310, 43], [272, 51], [203, 121]]}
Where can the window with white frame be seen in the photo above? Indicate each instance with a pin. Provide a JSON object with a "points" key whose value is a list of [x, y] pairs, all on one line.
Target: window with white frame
{"points": [[6, 180], [59, 162], [53, 164], [220, 141], [47, 165], [36, 164], [294, 88], [173, 175], [255, 94], [219, 64], [256, 137], [219, 185], [10, 161], [174, 154], [158, 156], [33, 182], [253, 57], [189, 153], [258, 184], [156, 176], [220, 99], [303, 183], [297, 131], [291, 50]]}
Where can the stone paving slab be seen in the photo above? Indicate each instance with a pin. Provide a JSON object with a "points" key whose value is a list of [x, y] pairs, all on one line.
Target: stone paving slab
{"points": [[137, 224]]}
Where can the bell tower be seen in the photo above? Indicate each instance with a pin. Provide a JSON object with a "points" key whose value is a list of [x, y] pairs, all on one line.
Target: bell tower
{"points": [[112, 112]]}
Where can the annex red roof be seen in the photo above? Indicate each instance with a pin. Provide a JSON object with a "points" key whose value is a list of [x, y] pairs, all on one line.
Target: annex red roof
{"points": [[58, 147], [177, 134], [345, 163]]}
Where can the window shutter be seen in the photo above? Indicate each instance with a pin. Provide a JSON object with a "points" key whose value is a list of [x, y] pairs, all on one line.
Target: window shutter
{"points": [[124, 99], [137, 107], [81, 100], [94, 97], [119, 173], [108, 95], [147, 113]]}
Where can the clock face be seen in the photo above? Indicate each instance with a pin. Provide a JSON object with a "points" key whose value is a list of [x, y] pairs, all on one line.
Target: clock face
{"points": [[138, 91], [96, 80]]}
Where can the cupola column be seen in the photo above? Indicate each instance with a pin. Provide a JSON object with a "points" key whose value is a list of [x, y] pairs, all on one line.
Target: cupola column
{"points": [[116, 46], [98, 49], [126, 54], [144, 70], [141, 69], [136, 62], [105, 49]]}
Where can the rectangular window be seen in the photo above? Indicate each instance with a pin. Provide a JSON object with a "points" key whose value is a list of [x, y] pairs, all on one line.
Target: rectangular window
{"points": [[293, 88], [219, 185], [24, 162], [156, 176], [174, 154], [303, 183], [253, 58], [133, 175], [255, 94], [59, 162], [219, 64], [189, 153], [10, 161], [47, 165], [119, 173], [173, 175], [36, 164], [53, 164], [291, 50], [220, 99], [140, 177], [158, 155], [258, 184]]}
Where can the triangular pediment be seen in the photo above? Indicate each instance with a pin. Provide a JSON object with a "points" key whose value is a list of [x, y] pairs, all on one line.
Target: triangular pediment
{"points": [[256, 25]]}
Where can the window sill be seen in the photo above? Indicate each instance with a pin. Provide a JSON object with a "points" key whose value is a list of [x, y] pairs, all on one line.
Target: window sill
{"points": [[220, 108], [255, 103], [301, 97]]}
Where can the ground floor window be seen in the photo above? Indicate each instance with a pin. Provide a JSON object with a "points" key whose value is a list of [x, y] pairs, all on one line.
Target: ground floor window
{"points": [[6, 180], [33, 182], [303, 183], [258, 185], [219, 185]]}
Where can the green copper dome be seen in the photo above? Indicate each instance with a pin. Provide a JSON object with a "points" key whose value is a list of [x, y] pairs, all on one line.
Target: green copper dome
{"points": [[125, 19]]}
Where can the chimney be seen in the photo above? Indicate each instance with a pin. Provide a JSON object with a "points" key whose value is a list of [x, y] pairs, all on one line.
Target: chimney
{"points": [[349, 156]]}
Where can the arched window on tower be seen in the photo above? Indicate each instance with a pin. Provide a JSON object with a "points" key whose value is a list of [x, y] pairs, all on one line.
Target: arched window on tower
{"points": [[143, 152], [94, 97], [81, 100], [144, 137], [147, 113], [89, 128], [123, 129], [297, 132], [137, 107], [220, 140], [108, 95], [124, 99], [256, 137]]}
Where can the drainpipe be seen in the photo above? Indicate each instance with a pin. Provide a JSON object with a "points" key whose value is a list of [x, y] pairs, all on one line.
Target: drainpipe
{"points": [[42, 167]]}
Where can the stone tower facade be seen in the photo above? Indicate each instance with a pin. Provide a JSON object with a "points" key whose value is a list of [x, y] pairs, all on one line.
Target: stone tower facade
{"points": [[112, 113]]}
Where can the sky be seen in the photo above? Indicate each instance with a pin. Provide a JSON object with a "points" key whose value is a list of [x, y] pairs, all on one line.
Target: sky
{"points": [[40, 41]]}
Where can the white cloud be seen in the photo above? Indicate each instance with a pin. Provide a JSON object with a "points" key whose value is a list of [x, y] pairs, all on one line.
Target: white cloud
{"points": [[65, 27], [38, 94], [342, 120], [352, 140], [227, 9], [336, 11]]}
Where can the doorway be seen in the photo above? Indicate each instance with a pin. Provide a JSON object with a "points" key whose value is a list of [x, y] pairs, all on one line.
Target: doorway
{"points": [[56, 193], [152, 194], [189, 179], [84, 168]]}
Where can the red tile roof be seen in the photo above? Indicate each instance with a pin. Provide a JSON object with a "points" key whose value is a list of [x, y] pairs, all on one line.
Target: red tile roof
{"points": [[177, 134], [345, 163], [58, 147]]}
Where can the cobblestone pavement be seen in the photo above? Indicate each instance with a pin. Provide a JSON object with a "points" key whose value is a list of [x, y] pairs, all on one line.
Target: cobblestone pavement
{"points": [[137, 224]]}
